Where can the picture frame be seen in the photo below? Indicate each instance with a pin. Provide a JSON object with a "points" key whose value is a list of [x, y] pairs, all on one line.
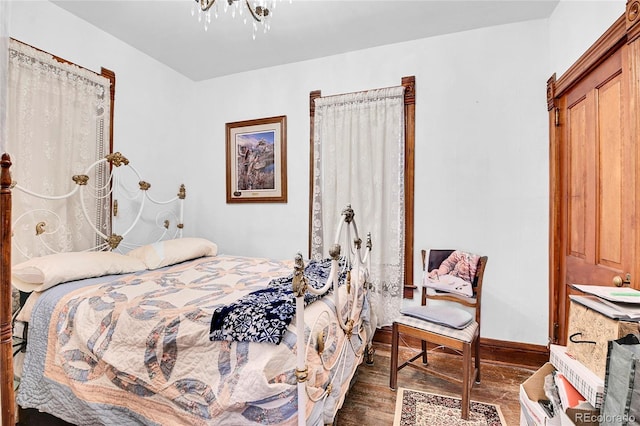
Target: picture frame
{"points": [[256, 152]]}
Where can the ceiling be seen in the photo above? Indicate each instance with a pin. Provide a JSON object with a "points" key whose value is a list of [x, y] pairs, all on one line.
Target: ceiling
{"points": [[300, 29]]}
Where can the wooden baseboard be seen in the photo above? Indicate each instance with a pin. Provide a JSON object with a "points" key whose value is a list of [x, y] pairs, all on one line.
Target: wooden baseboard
{"points": [[523, 354]]}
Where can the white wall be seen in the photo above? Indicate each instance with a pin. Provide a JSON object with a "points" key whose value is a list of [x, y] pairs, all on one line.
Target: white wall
{"points": [[481, 141], [575, 26], [481, 156]]}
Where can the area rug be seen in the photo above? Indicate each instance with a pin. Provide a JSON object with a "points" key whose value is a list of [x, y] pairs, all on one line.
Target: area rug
{"points": [[415, 408]]}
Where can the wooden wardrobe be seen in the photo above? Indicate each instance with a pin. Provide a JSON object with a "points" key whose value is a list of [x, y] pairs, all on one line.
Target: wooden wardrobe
{"points": [[594, 128]]}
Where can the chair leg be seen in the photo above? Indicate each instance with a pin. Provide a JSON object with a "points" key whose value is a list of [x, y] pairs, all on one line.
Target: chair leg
{"points": [[425, 361], [477, 358], [393, 376], [466, 380]]}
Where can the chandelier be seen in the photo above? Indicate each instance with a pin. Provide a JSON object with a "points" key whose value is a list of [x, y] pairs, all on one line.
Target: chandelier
{"points": [[259, 11]]}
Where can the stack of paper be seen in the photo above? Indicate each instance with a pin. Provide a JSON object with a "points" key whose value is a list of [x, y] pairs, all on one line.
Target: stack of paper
{"points": [[612, 294], [613, 302]]}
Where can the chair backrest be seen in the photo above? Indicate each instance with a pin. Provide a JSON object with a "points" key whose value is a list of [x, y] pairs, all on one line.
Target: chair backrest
{"points": [[436, 257]]}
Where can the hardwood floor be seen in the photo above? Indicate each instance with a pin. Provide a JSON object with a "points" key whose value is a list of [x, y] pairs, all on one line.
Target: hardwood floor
{"points": [[371, 402]]}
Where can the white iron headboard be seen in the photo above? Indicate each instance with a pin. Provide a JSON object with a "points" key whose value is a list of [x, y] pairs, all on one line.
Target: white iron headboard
{"points": [[118, 215]]}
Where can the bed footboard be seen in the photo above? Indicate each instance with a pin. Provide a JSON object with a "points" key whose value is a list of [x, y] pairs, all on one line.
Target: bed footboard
{"points": [[357, 284]]}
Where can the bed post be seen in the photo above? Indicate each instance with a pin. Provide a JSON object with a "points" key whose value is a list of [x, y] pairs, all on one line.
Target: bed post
{"points": [[6, 357], [369, 351], [299, 289], [182, 194]]}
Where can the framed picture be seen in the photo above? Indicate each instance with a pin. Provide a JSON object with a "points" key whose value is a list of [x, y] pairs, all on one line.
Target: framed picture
{"points": [[257, 161]]}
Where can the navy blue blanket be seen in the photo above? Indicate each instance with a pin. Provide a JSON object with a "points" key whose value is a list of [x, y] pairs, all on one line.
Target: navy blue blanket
{"points": [[263, 315]]}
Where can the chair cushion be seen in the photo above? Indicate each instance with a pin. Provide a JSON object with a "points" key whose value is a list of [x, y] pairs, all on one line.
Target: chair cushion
{"points": [[465, 334], [444, 315]]}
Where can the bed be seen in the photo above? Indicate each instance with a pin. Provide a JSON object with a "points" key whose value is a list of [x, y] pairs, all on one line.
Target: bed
{"points": [[173, 332]]}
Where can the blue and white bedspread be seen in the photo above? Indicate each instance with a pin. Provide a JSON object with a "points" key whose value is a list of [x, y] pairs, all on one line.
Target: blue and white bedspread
{"points": [[263, 315], [135, 349]]}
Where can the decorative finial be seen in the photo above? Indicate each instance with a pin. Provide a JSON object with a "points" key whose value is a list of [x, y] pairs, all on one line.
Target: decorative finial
{"points": [[117, 159], [348, 213], [299, 281], [80, 179], [114, 241], [334, 251]]}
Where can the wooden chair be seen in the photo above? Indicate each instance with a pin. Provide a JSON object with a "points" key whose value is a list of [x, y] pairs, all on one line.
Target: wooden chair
{"points": [[465, 340]]}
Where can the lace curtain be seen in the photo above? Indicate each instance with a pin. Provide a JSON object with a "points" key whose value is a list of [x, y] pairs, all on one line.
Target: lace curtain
{"points": [[4, 50], [58, 125], [359, 160]]}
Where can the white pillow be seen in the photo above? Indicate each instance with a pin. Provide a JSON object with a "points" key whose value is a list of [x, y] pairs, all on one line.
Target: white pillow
{"points": [[168, 252], [41, 273]]}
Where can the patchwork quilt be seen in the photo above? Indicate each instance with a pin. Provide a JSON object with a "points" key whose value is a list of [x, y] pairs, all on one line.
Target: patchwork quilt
{"points": [[135, 349]]}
